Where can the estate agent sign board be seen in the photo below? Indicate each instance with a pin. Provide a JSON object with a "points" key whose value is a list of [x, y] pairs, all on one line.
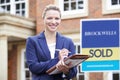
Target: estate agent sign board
{"points": [[100, 39]]}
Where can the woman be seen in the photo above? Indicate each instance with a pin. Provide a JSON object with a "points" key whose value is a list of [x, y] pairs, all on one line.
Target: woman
{"points": [[41, 51]]}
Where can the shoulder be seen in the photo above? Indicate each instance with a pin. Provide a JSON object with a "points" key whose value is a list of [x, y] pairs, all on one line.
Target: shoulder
{"points": [[35, 37], [65, 38]]}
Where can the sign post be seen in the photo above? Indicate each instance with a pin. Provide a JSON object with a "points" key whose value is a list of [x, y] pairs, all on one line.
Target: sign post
{"points": [[101, 40]]}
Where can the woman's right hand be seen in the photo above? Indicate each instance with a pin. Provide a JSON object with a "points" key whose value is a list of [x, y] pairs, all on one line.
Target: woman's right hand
{"points": [[63, 53]]}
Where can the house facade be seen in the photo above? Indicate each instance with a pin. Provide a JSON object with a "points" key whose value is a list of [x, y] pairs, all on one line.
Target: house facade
{"points": [[20, 19]]}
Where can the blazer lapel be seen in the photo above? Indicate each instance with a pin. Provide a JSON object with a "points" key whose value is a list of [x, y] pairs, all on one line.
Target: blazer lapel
{"points": [[43, 45], [59, 42]]}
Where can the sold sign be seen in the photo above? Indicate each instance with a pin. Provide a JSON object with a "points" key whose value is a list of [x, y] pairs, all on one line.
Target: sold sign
{"points": [[100, 53], [101, 40]]}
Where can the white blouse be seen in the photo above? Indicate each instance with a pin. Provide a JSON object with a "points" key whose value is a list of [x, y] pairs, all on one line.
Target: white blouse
{"points": [[52, 49]]}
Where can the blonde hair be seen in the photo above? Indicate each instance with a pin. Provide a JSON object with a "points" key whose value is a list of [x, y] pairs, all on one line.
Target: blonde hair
{"points": [[50, 7]]}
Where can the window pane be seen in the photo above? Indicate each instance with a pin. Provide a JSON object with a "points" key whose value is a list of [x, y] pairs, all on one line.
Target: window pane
{"points": [[23, 13], [16, 0], [17, 12], [116, 76], [114, 2], [3, 7], [79, 49], [2, 1], [23, 5], [26, 66], [73, 0], [7, 1], [81, 77], [17, 6], [79, 71], [27, 74], [66, 6], [19, 0], [26, 70], [8, 7], [66, 0], [73, 5], [80, 4]]}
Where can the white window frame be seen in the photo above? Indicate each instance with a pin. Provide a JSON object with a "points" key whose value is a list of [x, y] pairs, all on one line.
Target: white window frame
{"points": [[73, 13], [109, 75], [12, 7], [78, 74], [77, 44], [23, 69], [22, 65], [112, 7], [107, 8], [85, 74]]}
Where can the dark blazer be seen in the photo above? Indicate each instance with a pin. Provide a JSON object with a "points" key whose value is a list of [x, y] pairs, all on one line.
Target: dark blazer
{"points": [[39, 59]]}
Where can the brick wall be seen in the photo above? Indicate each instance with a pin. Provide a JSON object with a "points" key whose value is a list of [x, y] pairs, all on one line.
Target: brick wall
{"points": [[32, 9], [12, 63], [95, 9], [96, 76]]}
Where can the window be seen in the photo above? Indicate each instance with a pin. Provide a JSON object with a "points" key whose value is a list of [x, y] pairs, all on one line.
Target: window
{"points": [[77, 47], [25, 73], [5, 5], [111, 6], [112, 75], [115, 2], [80, 74], [73, 8], [70, 5], [16, 7], [116, 75]]}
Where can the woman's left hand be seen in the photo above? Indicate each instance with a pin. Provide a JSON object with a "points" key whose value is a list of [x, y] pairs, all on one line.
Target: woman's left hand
{"points": [[61, 66]]}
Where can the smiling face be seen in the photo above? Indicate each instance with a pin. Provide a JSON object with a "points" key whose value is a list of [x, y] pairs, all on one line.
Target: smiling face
{"points": [[51, 20]]}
